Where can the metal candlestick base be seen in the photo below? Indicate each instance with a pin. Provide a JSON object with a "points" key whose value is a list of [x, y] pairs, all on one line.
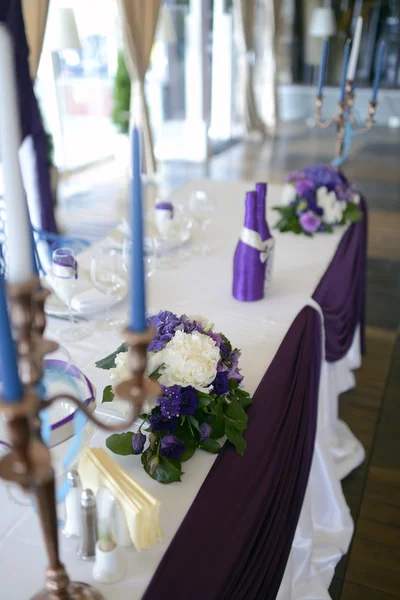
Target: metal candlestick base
{"points": [[343, 116], [75, 590], [29, 461]]}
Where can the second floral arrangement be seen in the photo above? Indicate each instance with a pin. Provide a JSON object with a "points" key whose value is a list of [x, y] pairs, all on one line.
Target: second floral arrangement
{"points": [[317, 199]]}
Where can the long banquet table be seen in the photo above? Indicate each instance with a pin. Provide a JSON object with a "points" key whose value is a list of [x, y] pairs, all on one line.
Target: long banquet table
{"points": [[275, 522]]}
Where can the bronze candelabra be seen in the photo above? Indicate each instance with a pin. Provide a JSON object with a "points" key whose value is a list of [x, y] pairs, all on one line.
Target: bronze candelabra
{"points": [[344, 116], [29, 461]]}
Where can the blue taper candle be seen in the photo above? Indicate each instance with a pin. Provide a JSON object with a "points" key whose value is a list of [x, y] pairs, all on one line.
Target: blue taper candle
{"points": [[322, 67], [378, 71], [12, 387], [344, 72], [137, 289]]}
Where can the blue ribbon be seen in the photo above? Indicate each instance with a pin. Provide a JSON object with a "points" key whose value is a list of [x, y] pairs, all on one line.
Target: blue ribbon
{"points": [[349, 133]]}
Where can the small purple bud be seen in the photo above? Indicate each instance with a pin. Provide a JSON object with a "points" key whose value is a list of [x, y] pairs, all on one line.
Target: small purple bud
{"points": [[205, 432], [138, 442]]}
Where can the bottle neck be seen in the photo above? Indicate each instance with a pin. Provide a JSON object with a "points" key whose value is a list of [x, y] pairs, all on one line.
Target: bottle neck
{"points": [[250, 219], [262, 225]]}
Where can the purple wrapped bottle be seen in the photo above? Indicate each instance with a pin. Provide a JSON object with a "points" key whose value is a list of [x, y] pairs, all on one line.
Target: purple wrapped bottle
{"points": [[266, 236], [248, 268]]}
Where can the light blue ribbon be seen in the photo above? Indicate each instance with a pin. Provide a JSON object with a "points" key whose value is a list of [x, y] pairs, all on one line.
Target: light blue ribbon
{"points": [[349, 133]]}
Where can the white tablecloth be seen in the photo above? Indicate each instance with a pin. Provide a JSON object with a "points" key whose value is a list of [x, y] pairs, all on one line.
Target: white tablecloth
{"points": [[203, 286]]}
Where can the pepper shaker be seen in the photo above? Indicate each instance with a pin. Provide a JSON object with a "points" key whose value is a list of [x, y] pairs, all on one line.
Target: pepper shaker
{"points": [[87, 548], [72, 526]]}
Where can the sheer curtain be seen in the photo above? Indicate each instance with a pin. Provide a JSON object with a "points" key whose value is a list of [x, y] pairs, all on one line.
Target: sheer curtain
{"points": [[139, 22], [35, 17], [244, 13], [270, 91]]}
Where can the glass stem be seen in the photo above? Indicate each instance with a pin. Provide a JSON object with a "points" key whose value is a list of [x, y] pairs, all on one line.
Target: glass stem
{"points": [[108, 309], [70, 313]]}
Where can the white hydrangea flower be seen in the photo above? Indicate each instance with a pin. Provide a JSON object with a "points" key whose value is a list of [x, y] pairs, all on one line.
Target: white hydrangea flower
{"points": [[356, 199], [288, 194], [333, 210], [121, 372], [189, 359]]}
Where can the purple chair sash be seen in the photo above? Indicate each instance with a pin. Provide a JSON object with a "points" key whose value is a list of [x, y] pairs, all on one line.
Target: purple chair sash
{"points": [[235, 540], [341, 292], [31, 122]]}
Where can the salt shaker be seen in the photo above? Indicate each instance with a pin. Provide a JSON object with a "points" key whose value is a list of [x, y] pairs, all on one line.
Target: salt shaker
{"points": [[72, 526], [87, 549]]}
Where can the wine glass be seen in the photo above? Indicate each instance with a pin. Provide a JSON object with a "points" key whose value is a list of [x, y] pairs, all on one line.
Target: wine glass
{"points": [[202, 208], [64, 276], [107, 278], [149, 263]]}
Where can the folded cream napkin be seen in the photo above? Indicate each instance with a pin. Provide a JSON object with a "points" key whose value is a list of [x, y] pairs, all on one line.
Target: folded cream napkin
{"points": [[141, 510], [91, 299]]}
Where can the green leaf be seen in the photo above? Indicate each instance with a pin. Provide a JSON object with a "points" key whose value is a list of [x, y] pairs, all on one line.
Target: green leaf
{"points": [[120, 443], [235, 415], [109, 361], [190, 450], [328, 228], [164, 472], [352, 213], [302, 205], [226, 342], [232, 385], [204, 399], [218, 424], [236, 438], [183, 433], [244, 398], [157, 373], [193, 421], [108, 394], [211, 446]]}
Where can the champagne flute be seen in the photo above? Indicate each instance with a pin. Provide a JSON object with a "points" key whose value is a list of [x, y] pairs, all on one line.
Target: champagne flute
{"points": [[107, 278], [64, 276]]}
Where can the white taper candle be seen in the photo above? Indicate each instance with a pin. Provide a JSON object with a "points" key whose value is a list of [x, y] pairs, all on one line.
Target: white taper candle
{"points": [[18, 224], [355, 50]]}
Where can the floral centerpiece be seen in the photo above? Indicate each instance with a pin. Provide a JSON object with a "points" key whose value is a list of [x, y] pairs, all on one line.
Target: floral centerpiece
{"points": [[317, 199], [202, 399]]}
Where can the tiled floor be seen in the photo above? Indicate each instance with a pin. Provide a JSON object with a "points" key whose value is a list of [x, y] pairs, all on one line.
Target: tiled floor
{"points": [[371, 570]]}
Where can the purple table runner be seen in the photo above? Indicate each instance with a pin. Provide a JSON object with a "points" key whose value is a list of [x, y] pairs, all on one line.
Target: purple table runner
{"points": [[236, 538], [341, 291]]}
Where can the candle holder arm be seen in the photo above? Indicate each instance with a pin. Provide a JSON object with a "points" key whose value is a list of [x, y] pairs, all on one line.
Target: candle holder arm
{"points": [[318, 114]]}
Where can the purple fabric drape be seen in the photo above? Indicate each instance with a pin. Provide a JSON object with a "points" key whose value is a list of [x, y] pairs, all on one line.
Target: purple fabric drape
{"points": [[31, 122], [235, 540], [341, 292]]}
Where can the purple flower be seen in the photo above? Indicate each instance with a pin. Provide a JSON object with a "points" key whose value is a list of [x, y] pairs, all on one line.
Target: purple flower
{"points": [[220, 384], [171, 402], [222, 368], [171, 447], [158, 423], [313, 206], [138, 442], [205, 431], [304, 186], [216, 337], [156, 345], [319, 175], [190, 401], [190, 326], [309, 221]]}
